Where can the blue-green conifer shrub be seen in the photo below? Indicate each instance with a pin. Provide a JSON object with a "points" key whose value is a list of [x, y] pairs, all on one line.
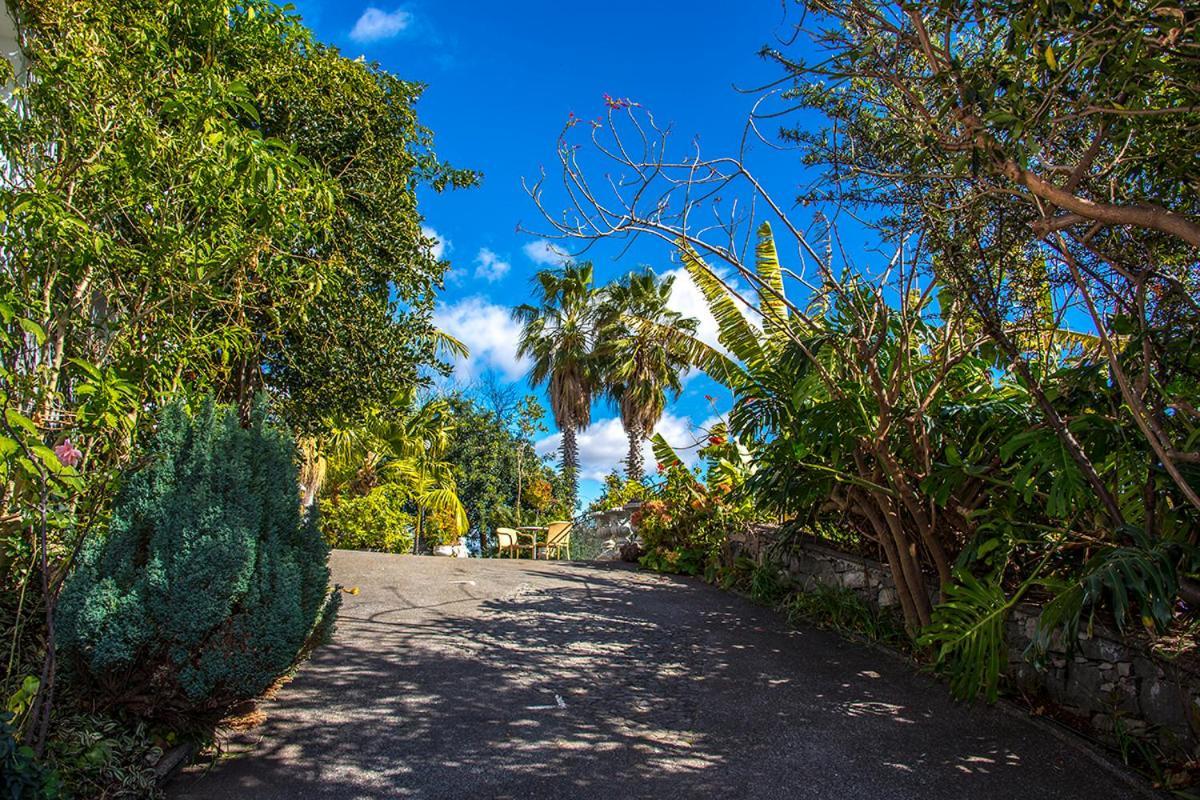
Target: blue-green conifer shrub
{"points": [[210, 583]]}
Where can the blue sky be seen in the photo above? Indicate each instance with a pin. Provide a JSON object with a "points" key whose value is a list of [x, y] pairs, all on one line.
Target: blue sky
{"points": [[502, 79]]}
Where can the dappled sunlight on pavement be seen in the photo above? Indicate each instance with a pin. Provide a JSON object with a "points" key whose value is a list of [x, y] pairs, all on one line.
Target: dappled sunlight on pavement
{"points": [[465, 678]]}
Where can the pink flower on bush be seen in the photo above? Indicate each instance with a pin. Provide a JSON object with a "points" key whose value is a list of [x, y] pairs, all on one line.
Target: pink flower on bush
{"points": [[68, 454]]}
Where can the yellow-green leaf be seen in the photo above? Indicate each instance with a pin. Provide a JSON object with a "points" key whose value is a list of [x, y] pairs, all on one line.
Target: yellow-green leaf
{"points": [[32, 328], [16, 419]]}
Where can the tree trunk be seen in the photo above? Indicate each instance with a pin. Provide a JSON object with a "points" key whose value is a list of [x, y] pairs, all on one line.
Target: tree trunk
{"points": [[912, 617], [570, 462], [417, 537], [248, 381], [633, 461], [520, 480], [906, 554]]}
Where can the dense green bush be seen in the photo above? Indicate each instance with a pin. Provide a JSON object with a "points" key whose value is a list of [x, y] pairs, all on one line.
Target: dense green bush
{"points": [[21, 776], [374, 521], [619, 491], [209, 583]]}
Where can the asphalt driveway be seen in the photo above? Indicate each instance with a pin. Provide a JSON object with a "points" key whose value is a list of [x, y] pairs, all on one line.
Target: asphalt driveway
{"points": [[464, 678]]}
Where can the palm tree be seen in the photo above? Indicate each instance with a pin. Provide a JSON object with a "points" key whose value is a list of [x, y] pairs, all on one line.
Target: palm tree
{"points": [[643, 351], [557, 335]]}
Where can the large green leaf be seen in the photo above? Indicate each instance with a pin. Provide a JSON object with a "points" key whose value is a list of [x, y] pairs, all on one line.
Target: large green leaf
{"points": [[968, 634], [734, 331], [771, 300], [1137, 579]]}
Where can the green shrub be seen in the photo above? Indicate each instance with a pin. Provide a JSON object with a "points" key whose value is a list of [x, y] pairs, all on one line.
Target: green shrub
{"points": [[769, 585], [846, 612], [375, 521], [209, 582], [617, 492], [21, 776], [680, 561]]}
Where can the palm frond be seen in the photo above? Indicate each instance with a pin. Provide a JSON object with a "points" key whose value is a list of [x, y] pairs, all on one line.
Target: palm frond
{"points": [[449, 345], [445, 501], [665, 454]]}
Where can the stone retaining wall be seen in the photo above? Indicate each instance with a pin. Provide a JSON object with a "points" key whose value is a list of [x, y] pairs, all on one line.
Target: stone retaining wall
{"points": [[815, 564], [1113, 686], [1118, 687]]}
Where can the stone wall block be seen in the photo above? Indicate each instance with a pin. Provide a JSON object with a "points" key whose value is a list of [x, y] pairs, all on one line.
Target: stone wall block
{"points": [[1165, 704], [854, 579]]}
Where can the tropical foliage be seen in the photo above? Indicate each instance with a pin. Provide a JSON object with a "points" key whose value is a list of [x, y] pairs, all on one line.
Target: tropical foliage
{"points": [[501, 479], [621, 340], [402, 449], [1037, 169], [1037, 150], [427, 472], [685, 524], [902, 424], [375, 521], [990, 378], [617, 492], [199, 200]]}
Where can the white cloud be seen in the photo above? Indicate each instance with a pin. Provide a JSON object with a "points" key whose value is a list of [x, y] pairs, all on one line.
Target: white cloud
{"points": [[489, 266], [441, 245], [602, 447], [375, 25], [545, 253], [490, 333]]}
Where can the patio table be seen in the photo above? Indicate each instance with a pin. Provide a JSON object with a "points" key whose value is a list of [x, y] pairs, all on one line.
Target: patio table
{"points": [[533, 530]]}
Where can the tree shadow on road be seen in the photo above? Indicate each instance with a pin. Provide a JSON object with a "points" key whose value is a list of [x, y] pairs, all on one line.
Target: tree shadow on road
{"points": [[595, 682]]}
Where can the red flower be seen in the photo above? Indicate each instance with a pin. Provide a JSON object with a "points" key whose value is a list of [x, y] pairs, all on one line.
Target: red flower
{"points": [[659, 467], [716, 440]]}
